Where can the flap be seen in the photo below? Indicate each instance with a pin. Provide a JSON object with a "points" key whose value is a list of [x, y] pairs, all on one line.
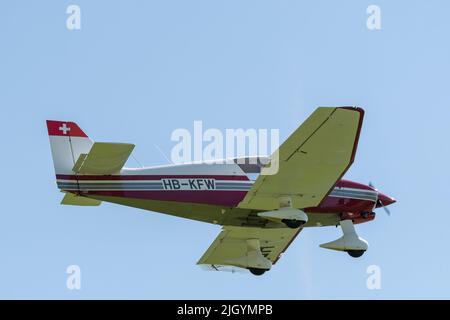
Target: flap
{"points": [[236, 246], [310, 162], [104, 158]]}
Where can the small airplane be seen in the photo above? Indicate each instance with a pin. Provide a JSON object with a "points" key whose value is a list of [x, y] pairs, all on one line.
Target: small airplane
{"points": [[260, 217]]}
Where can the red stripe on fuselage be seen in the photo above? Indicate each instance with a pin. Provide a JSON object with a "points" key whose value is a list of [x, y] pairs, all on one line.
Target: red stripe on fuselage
{"points": [[337, 205], [352, 184], [217, 197], [148, 177]]}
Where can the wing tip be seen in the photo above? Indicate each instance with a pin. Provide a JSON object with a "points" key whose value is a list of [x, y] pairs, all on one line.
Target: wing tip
{"points": [[354, 108], [358, 132], [355, 145]]}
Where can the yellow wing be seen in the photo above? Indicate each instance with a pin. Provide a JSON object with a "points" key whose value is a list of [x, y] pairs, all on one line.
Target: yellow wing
{"points": [[247, 247], [310, 162]]}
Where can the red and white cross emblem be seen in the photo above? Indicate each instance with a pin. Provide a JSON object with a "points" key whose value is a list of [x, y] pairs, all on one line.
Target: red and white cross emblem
{"points": [[64, 128]]}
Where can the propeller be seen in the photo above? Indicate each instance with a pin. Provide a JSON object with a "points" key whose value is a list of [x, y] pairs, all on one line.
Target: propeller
{"points": [[379, 202]]}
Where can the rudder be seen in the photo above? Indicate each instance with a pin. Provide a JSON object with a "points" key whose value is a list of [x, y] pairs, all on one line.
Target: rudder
{"points": [[67, 142]]}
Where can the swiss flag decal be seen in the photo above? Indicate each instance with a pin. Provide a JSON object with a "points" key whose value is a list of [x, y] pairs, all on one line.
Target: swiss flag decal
{"points": [[64, 128]]}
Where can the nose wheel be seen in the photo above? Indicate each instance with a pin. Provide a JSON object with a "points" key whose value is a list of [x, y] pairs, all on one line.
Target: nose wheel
{"points": [[350, 242]]}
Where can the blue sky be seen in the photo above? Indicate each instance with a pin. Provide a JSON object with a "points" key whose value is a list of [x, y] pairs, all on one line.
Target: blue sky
{"points": [[137, 70]]}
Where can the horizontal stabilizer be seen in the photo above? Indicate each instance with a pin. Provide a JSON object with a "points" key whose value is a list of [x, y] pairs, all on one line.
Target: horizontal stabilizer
{"points": [[103, 158], [76, 200]]}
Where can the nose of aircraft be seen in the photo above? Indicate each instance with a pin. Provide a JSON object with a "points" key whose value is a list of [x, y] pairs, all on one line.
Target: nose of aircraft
{"points": [[385, 200]]}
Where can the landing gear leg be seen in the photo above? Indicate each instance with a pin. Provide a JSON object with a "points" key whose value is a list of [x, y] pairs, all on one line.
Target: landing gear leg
{"points": [[290, 216], [257, 263], [350, 242]]}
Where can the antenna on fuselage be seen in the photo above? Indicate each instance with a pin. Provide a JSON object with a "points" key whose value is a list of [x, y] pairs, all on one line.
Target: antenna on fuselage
{"points": [[162, 152]]}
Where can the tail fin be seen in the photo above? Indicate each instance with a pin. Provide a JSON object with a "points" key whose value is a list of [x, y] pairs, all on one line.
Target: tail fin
{"points": [[67, 142]]}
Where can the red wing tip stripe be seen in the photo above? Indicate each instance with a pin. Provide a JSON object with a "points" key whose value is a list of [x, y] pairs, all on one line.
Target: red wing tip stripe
{"points": [[358, 109], [64, 128]]}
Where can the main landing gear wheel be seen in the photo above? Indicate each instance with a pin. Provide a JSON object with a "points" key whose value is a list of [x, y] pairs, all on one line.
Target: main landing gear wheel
{"points": [[257, 271], [355, 253], [293, 224]]}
